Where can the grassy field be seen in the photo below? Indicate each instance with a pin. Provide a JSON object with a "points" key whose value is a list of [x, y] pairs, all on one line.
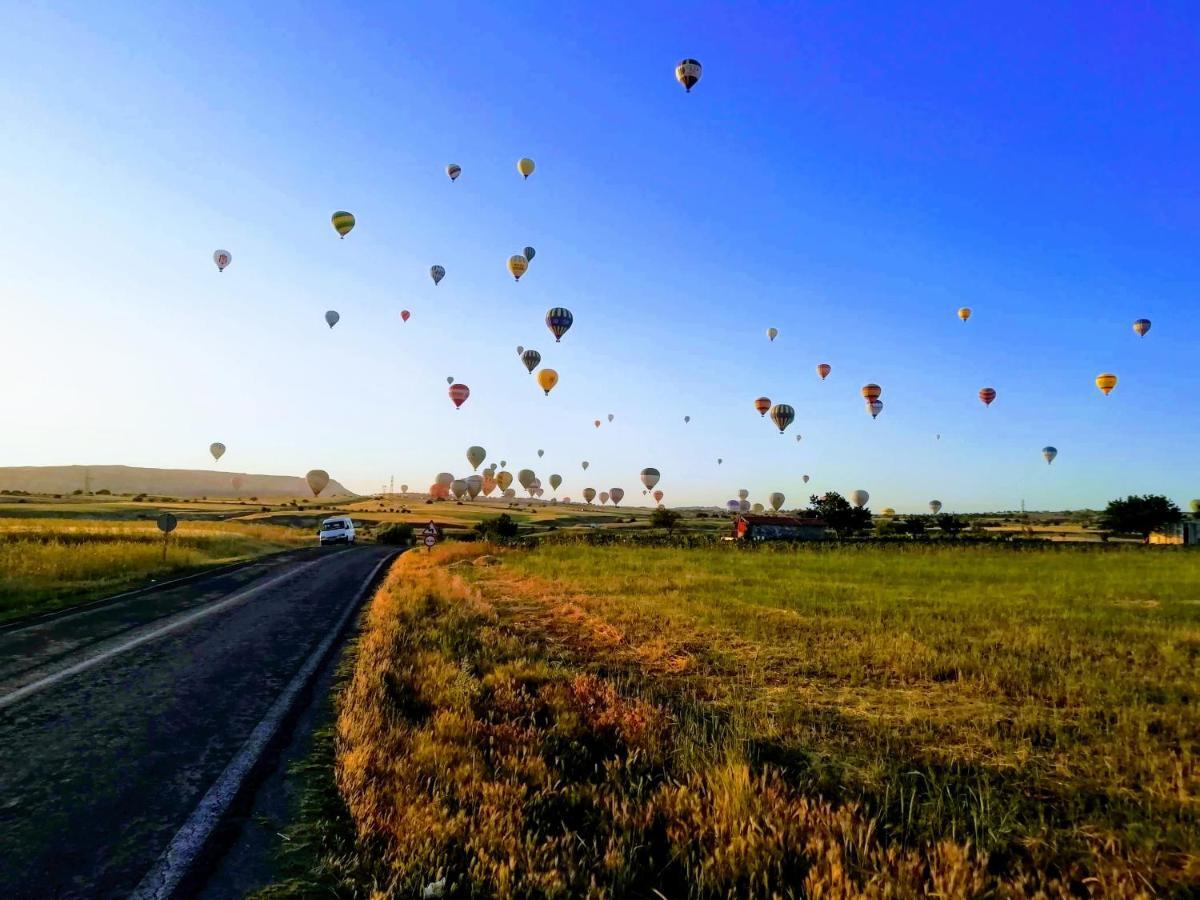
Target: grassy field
{"points": [[47, 563], [823, 721]]}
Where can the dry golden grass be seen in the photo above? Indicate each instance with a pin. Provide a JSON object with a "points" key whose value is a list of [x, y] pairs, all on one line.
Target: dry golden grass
{"points": [[838, 723]]}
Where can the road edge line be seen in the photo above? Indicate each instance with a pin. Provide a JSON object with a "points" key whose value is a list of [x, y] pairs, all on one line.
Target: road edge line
{"points": [[176, 860]]}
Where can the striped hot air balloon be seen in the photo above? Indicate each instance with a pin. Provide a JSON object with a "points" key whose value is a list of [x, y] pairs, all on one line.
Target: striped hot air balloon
{"points": [[782, 415], [1106, 383], [687, 73], [1141, 326], [762, 404], [964, 313], [823, 369], [531, 359], [454, 170], [875, 407], [342, 222], [559, 320], [1048, 453], [987, 395], [871, 391], [437, 273], [459, 394]]}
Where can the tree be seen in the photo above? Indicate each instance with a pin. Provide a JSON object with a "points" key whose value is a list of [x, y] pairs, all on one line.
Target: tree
{"points": [[913, 526], [1140, 514], [950, 524], [664, 518], [503, 526], [838, 513]]}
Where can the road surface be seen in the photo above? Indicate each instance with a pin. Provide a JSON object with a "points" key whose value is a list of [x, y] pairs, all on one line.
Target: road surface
{"points": [[116, 721]]}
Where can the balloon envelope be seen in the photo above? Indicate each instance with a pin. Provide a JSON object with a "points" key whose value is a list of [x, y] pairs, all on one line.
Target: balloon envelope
{"points": [[589, 494], [454, 170], [686, 419], [458, 487], [531, 359], [1106, 382], [529, 253], [504, 479], [437, 273], [317, 480], [525, 166], [559, 321], [733, 505], [743, 494], [762, 404], [658, 495], [517, 264], [804, 478], [331, 317], [964, 313], [476, 455], [525, 478], [444, 479], [875, 407], [1141, 326], [859, 498], [1049, 453], [935, 506], [342, 222], [823, 369], [616, 495], [772, 333], [404, 314], [459, 394], [603, 497], [687, 73], [782, 415], [217, 450], [223, 258], [776, 500], [987, 395], [555, 481], [650, 477], [547, 379], [585, 464], [871, 391]]}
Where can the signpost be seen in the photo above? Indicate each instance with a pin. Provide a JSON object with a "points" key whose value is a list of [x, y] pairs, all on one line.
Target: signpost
{"points": [[166, 524], [429, 535]]}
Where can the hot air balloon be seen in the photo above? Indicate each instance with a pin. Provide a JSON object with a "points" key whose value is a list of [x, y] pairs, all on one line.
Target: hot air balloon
{"points": [[743, 494], [526, 478], [555, 481], [504, 479], [444, 479], [449, 379], [1194, 506], [776, 500], [757, 509], [987, 395], [458, 487], [597, 423], [719, 460], [525, 166], [404, 488], [1141, 326], [541, 453], [798, 438], [804, 478], [489, 483], [404, 314], [603, 497], [658, 495], [744, 506], [529, 253], [476, 455], [559, 320], [584, 465], [650, 478], [223, 258], [733, 505], [459, 394], [454, 170], [616, 495], [331, 317], [686, 419], [1106, 382], [687, 73], [217, 450], [439, 491], [317, 480], [531, 359], [772, 333], [509, 494], [859, 498], [547, 379], [935, 506], [611, 417], [1049, 453], [762, 404], [437, 273], [342, 222], [874, 407], [589, 494], [782, 415], [517, 264], [520, 349], [964, 313], [871, 391], [823, 369], [237, 481], [474, 485], [503, 464]]}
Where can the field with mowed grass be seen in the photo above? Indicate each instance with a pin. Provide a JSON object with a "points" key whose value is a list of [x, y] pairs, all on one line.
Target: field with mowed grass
{"points": [[820, 721], [49, 563]]}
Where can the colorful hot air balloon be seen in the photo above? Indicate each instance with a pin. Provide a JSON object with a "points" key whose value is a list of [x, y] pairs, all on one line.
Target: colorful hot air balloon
{"points": [[489, 483], [476, 455], [733, 505], [1049, 453], [504, 479], [474, 485], [772, 333], [589, 494], [650, 478], [404, 315], [1106, 382], [874, 407], [547, 379], [317, 480], [1141, 326], [987, 395], [217, 450], [531, 358], [823, 369], [603, 497], [223, 258], [859, 498], [342, 222], [964, 313], [782, 415], [437, 273], [526, 478], [458, 487], [762, 404], [584, 465], [454, 170], [444, 479], [804, 478], [687, 73], [529, 253], [871, 391], [657, 495], [558, 320], [617, 495], [776, 500], [331, 317], [459, 394], [935, 506], [517, 264], [525, 166]]}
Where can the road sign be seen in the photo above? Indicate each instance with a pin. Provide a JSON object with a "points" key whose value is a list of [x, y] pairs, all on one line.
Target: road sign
{"points": [[430, 540], [430, 535]]}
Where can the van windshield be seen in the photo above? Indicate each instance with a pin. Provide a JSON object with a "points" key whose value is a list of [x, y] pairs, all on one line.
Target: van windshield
{"points": [[333, 526]]}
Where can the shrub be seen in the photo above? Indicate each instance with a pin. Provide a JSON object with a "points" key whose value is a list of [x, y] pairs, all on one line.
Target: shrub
{"points": [[503, 526], [664, 518], [399, 534]]}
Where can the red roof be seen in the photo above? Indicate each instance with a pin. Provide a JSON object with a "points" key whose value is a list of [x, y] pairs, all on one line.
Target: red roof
{"points": [[781, 520]]}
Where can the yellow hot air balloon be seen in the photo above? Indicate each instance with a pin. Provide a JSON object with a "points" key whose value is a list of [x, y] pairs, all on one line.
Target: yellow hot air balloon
{"points": [[342, 222], [504, 479], [525, 166], [964, 313], [1106, 382], [517, 264], [547, 379]]}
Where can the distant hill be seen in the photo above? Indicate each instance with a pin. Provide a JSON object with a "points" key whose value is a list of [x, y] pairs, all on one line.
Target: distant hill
{"points": [[168, 482]]}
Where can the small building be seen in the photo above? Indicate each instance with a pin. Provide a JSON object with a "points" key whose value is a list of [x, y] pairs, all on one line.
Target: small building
{"points": [[1185, 532], [778, 528]]}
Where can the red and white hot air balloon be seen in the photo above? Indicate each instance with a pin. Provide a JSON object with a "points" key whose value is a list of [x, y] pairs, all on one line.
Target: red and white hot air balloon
{"points": [[459, 394]]}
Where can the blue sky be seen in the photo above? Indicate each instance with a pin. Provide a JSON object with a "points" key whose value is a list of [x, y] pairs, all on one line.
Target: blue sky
{"points": [[850, 174]]}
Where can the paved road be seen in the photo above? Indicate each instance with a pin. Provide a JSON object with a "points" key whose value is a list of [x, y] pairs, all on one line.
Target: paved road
{"points": [[115, 722]]}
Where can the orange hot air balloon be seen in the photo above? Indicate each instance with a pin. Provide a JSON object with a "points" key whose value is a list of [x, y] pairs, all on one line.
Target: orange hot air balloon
{"points": [[658, 495], [871, 392], [823, 369], [964, 313], [987, 395], [459, 394], [547, 379], [1106, 382], [762, 404]]}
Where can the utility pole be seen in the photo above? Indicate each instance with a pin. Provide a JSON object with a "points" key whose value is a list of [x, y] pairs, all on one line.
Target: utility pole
{"points": [[392, 485]]}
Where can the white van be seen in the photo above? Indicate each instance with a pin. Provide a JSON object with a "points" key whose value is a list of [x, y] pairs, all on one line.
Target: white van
{"points": [[337, 530]]}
